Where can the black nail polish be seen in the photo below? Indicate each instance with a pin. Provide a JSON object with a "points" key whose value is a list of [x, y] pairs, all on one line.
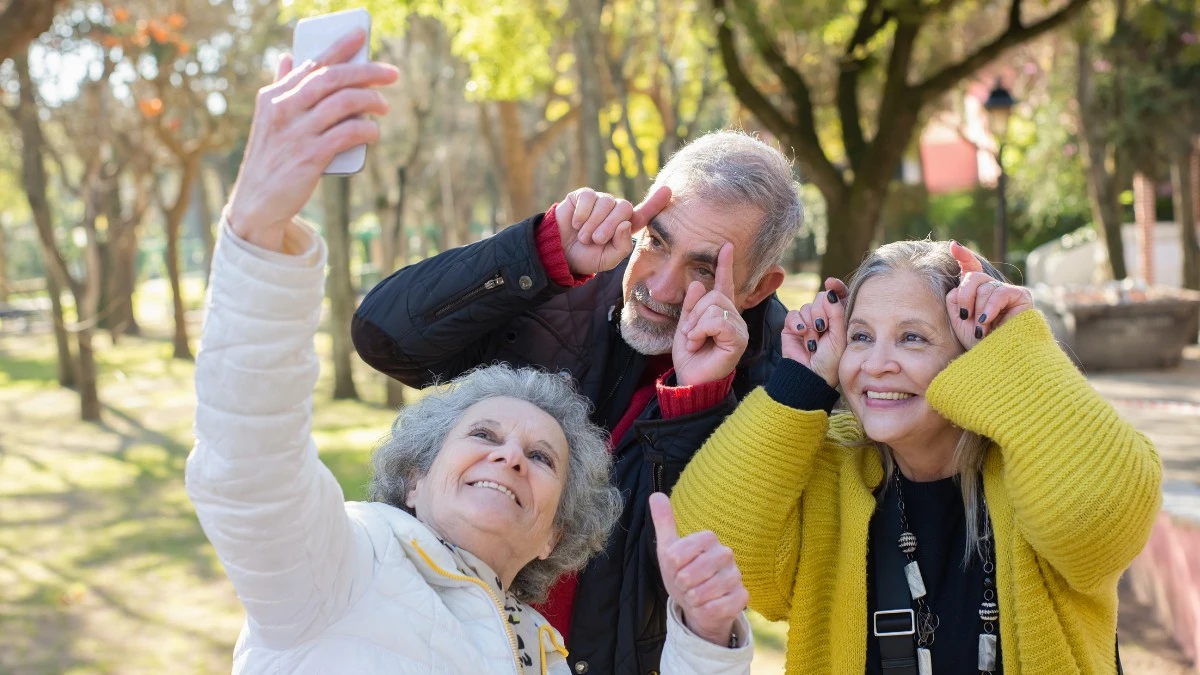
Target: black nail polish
{"points": [[820, 325], [982, 318], [978, 332], [833, 298], [799, 326], [962, 313], [812, 345]]}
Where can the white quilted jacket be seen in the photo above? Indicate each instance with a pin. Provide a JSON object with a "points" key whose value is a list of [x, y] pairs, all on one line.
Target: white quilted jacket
{"points": [[330, 586]]}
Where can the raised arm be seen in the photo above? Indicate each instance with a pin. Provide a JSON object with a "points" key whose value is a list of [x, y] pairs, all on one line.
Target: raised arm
{"points": [[273, 512]]}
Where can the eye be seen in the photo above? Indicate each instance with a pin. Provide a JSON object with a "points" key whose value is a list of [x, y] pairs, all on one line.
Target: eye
{"points": [[859, 336], [705, 273], [913, 338], [482, 432], [653, 242], [542, 457]]}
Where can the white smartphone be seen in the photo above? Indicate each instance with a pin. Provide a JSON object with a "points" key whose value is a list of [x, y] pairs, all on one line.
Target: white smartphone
{"points": [[313, 37]]}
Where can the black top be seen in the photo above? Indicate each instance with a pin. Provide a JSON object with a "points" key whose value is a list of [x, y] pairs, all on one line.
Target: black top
{"points": [[937, 517]]}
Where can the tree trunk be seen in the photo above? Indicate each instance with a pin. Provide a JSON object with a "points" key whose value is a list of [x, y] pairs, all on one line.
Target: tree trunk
{"points": [[854, 213], [124, 257], [1184, 182], [1145, 217], [518, 173], [62, 339], [3, 267], [206, 220], [336, 201], [1104, 187], [174, 218], [588, 63], [86, 306]]}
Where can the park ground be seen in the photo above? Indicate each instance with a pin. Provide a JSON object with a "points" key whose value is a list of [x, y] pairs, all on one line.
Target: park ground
{"points": [[103, 566]]}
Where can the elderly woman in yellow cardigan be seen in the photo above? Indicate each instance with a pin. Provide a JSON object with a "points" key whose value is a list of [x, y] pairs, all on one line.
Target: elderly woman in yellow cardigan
{"points": [[976, 471]]}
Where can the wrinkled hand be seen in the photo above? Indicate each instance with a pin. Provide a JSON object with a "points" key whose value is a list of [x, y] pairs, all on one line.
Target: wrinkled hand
{"points": [[597, 228], [700, 574], [711, 335], [981, 304], [307, 116], [815, 334]]}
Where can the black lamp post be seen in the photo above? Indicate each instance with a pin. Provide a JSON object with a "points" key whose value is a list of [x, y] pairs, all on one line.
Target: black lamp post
{"points": [[999, 105]]}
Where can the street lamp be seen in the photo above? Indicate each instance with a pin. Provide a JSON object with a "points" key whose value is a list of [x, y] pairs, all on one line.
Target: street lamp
{"points": [[999, 105]]}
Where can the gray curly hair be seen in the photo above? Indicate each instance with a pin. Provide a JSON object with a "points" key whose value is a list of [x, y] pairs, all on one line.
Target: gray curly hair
{"points": [[589, 506]]}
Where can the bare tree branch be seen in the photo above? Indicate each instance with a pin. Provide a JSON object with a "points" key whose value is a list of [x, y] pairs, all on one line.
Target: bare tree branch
{"points": [[1015, 34], [22, 21]]}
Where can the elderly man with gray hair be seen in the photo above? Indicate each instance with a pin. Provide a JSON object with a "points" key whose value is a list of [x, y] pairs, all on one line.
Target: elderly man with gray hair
{"points": [[639, 307]]}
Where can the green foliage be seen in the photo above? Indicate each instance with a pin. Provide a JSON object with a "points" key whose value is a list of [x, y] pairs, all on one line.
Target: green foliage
{"points": [[505, 42]]}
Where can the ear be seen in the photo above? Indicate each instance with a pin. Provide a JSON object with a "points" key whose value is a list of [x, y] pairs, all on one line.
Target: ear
{"points": [[551, 545], [410, 500], [770, 282]]}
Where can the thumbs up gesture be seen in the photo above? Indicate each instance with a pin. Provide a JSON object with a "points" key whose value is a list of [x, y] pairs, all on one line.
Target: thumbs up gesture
{"points": [[700, 574]]}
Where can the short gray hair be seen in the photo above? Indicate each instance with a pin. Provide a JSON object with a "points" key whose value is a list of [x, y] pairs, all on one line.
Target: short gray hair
{"points": [[932, 262], [589, 506], [730, 169]]}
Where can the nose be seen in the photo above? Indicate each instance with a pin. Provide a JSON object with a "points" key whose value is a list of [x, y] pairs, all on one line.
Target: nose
{"points": [[510, 454], [880, 360], [667, 284]]}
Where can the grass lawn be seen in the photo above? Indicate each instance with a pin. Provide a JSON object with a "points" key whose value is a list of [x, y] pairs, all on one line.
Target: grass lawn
{"points": [[103, 566]]}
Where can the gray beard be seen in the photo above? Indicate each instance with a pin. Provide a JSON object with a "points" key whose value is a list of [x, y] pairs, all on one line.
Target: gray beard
{"points": [[644, 336]]}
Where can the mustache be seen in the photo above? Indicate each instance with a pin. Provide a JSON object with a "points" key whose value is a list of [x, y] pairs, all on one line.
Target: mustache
{"points": [[641, 293]]}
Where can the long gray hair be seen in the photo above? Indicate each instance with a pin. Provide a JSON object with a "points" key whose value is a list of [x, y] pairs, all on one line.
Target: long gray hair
{"points": [[589, 506], [932, 261]]}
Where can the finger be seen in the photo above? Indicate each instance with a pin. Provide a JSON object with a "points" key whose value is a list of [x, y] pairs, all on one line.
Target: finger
{"points": [[729, 605], [838, 288], [793, 324], [722, 326], [835, 310], [665, 529], [809, 332], [650, 207], [346, 135], [344, 49], [709, 299], [967, 289], [724, 581], [1003, 298], [284, 67], [967, 260], [695, 293], [820, 312], [344, 105], [621, 213], [584, 200], [687, 549], [604, 206], [323, 82], [723, 283], [705, 567]]}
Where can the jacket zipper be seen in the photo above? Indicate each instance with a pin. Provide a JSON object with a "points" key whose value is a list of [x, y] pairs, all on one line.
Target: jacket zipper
{"points": [[488, 286], [512, 638], [612, 392], [656, 475]]}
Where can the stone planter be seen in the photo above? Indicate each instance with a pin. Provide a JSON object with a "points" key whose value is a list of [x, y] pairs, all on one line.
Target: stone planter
{"points": [[1122, 327]]}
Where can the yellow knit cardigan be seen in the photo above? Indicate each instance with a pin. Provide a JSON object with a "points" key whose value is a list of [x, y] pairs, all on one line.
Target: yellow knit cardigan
{"points": [[1071, 488]]}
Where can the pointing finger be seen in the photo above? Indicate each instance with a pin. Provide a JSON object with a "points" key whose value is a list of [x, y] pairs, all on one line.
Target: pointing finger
{"points": [[724, 280], [653, 205], [665, 529]]}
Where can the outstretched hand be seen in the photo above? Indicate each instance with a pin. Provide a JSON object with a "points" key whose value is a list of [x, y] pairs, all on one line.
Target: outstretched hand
{"points": [[700, 574], [711, 335], [981, 303], [312, 112], [596, 229], [815, 334]]}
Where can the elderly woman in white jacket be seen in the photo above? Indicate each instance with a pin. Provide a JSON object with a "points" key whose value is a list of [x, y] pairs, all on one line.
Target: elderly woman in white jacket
{"points": [[482, 494]]}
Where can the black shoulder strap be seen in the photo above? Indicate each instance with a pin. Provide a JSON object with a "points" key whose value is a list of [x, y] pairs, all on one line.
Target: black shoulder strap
{"points": [[894, 622]]}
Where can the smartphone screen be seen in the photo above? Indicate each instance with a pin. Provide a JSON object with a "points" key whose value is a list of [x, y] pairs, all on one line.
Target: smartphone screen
{"points": [[313, 37]]}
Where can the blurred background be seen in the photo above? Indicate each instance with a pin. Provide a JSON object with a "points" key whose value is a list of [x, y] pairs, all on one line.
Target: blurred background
{"points": [[1061, 137]]}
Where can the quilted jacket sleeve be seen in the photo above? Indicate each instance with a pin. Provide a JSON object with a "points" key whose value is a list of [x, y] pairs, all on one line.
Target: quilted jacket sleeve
{"points": [[273, 512], [442, 316], [687, 653]]}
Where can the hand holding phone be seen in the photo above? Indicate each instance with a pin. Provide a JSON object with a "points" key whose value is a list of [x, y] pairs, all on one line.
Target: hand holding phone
{"points": [[316, 35], [315, 110]]}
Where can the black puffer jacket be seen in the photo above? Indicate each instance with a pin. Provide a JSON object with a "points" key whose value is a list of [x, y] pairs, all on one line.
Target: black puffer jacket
{"points": [[492, 301]]}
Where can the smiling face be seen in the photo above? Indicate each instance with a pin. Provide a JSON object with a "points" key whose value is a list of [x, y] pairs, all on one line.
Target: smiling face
{"points": [[678, 247], [898, 339], [495, 486]]}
